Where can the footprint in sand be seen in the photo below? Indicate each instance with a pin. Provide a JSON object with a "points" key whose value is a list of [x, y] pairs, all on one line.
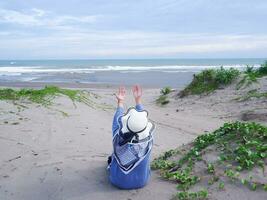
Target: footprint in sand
{"points": [[58, 170], [5, 176], [42, 179]]}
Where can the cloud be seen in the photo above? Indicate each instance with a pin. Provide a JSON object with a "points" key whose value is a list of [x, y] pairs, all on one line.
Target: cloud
{"points": [[38, 12], [65, 20], [38, 17], [11, 16], [112, 44], [161, 28], [4, 33]]}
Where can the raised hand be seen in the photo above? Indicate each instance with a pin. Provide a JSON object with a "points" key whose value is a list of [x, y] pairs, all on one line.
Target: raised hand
{"points": [[121, 95], [137, 93]]}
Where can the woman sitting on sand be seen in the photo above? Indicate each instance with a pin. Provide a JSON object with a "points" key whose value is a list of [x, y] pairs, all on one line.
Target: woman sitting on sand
{"points": [[129, 166]]}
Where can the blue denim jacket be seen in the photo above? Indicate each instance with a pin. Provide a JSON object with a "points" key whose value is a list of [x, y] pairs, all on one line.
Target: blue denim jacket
{"points": [[140, 175]]}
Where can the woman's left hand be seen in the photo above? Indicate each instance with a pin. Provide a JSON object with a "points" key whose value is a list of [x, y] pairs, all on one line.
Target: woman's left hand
{"points": [[137, 93]]}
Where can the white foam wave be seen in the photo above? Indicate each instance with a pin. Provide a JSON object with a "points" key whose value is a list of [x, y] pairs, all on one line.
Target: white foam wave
{"points": [[168, 68], [10, 73], [40, 70], [179, 71]]}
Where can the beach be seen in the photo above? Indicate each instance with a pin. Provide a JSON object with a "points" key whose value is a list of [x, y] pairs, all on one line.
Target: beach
{"points": [[199, 69], [60, 151]]}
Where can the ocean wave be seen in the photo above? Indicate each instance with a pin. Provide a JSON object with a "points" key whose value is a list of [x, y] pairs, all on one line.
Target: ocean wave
{"points": [[39, 69], [168, 68], [10, 73], [179, 71]]}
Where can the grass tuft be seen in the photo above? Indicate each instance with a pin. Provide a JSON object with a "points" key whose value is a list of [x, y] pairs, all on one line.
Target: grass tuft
{"points": [[46, 95], [262, 71], [165, 90], [252, 94], [163, 98], [251, 75], [209, 80]]}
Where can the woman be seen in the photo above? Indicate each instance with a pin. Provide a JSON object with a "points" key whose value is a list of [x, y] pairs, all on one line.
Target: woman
{"points": [[129, 166]]}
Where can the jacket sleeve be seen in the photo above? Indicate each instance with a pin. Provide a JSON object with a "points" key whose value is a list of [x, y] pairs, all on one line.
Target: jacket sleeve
{"points": [[115, 124], [139, 107]]}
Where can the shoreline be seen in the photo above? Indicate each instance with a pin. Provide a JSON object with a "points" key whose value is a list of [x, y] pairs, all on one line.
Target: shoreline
{"points": [[21, 84], [61, 151], [145, 78]]}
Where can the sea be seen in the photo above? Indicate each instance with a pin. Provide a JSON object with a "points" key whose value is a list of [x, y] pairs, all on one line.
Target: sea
{"points": [[148, 72]]}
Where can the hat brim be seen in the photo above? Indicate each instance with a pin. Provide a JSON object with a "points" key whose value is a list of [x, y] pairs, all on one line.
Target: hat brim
{"points": [[144, 133]]}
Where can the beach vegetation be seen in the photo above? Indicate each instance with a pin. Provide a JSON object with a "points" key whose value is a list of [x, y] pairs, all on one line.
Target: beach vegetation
{"points": [[221, 185], [210, 168], [262, 70], [209, 80], [163, 98], [240, 146], [46, 95], [200, 195], [252, 94], [162, 161], [251, 75], [165, 90]]}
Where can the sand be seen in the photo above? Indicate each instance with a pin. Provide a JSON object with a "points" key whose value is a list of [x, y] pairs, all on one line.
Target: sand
{"points": [[61, 152]]}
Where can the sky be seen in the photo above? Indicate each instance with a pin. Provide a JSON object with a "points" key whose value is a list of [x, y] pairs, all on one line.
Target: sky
{"points": [[91, 29]]}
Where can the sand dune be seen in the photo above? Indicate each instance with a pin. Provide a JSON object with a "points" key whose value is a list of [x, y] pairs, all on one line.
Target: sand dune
{"points": [[60, 152]]}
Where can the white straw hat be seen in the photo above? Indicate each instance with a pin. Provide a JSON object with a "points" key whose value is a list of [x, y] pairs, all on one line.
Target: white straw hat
{"points": [[136, 122]]}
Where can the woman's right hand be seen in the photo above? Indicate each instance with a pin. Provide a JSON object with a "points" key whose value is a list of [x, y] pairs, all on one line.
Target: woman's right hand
{"points": [[121, 95]]}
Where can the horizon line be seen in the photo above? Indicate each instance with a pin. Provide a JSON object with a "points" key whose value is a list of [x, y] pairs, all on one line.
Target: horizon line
{"points": [[193, 58]]}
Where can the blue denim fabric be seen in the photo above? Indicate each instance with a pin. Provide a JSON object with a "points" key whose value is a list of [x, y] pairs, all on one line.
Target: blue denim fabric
{"points": [[140, 175]]}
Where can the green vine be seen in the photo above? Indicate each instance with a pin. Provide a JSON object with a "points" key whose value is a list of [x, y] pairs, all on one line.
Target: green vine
{"points": [[241, 147]]}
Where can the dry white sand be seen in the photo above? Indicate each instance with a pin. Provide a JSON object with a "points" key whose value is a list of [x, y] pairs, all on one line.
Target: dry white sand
{"points": [[47, 155]]}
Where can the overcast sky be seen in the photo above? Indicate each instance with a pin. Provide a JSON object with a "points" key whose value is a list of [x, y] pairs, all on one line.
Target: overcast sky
{"points": [[88, 29]]}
